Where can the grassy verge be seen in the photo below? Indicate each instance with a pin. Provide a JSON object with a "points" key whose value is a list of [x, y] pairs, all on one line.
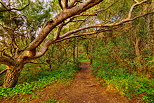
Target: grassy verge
{"points": [[129, 85], [41, 80]]}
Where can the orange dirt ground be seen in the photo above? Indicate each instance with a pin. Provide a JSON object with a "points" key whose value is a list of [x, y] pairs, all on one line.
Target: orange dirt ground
{"points": [[84, 88]]}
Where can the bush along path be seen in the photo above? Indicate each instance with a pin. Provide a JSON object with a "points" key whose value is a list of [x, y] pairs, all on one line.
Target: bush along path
{"points": [[84, 88]]}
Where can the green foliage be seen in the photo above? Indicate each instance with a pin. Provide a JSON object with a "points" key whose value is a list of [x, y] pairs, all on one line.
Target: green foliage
{"points": [[114, 63], [117, 74], [130, 85], [51, 101], [41, 80], [2, 67]]}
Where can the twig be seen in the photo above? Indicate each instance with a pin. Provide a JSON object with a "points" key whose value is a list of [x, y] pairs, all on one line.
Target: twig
{"points": [[10, 9], [3, 71]]}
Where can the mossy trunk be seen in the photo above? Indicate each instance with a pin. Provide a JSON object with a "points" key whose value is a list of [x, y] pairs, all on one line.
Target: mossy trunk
{"points": [[11, 77]]}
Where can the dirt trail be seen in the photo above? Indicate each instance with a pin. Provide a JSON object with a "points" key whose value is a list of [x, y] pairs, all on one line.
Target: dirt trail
{"points": [[83, 89]]}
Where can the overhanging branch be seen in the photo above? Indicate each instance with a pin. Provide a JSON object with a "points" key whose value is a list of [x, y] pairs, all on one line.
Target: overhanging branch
{"points": [[68, 13], [69, 34], [103, 25], [65, 14], [81, 34]]}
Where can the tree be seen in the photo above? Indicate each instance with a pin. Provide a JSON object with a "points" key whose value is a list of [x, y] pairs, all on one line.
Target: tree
{"points": [[72, 11]]}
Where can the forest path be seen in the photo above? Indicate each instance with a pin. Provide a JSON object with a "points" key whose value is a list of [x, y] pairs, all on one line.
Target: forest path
{"points": [[83, 89]]}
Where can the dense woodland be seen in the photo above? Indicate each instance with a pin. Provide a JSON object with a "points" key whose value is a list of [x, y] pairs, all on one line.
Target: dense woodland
{"points": [[43, 41]]}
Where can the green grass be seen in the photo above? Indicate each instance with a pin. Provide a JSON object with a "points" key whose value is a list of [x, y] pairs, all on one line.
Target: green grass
{"points": [[41, 80], [84, 60], [129, 85], [52, 100]]}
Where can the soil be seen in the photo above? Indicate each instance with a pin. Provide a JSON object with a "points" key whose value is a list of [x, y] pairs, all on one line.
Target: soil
{"points": [[84, 88]]}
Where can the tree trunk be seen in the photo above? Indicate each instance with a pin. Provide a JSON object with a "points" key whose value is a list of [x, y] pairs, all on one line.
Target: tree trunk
{"points": [[91, 53], [138, 55], [12, 76]]}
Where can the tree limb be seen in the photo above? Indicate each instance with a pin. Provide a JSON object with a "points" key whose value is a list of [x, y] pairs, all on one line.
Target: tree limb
{"points": [[65, 14], [109, 25], [3, 71], [43, 49], [3, 5], [80, 34], [93, 26], [63, 24], [59, 30], [132, 7], [10, 9], [69, 35]]}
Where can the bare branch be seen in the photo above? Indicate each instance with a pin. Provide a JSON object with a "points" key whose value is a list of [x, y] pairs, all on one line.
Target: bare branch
{"points": [[3, 71], [133, 6], [65, 14], [59, 30], [108, 25], [10, 9], [7, 55], [63, 24], [3, 5], [43, 49], [81, 34], [69, 34]]}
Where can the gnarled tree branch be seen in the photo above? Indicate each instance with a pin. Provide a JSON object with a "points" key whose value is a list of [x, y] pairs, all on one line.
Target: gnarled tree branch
{"points": [[43, 49], [65, 14], [70, 33], [109, 25]]}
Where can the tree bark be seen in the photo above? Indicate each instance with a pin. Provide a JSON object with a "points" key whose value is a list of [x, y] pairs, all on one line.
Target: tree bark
{"points": [[11, 77], [138, 55]]}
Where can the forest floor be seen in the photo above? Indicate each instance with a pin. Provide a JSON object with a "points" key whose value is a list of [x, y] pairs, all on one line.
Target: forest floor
{"points": [[84, 88]]}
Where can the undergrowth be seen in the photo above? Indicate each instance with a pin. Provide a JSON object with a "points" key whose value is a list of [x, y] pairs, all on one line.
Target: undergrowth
{"points": [[40, 80], [129, 85]]}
